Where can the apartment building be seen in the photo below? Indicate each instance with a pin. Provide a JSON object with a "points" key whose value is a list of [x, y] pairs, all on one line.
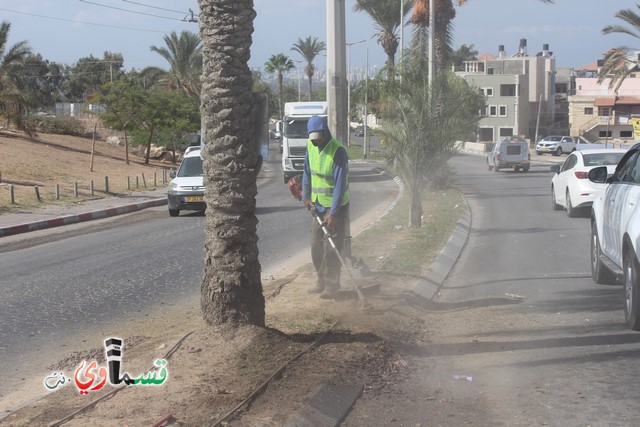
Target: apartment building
{"points": [[600, 114], [520, 92]]}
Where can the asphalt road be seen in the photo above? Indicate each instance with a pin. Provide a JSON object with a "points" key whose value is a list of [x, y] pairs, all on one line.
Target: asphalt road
{"points": [[55, 293], [524, 337]]}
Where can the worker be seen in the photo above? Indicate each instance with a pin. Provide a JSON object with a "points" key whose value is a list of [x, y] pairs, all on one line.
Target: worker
{"points": [[325, 190]]}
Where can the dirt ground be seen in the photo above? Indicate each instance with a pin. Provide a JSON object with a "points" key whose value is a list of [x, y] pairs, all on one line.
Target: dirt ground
{"points": [[46, 160], [246, 377]]}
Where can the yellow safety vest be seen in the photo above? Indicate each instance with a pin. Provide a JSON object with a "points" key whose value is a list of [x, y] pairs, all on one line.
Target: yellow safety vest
{"points": [[321, 165]]}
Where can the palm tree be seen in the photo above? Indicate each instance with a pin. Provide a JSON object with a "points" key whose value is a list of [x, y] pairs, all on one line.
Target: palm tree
{"points": [[278, 64], [184, 55], [309, 49], [445, 12], [619, 63], [386, 19], [231, 291], [14, 100], [421, 139]]}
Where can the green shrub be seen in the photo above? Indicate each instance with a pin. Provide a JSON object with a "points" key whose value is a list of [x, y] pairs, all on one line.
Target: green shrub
{"points": [[64, 125]]}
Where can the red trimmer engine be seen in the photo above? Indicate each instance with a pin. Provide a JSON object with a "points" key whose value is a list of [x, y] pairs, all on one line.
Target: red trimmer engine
{"points": [[295, 186]]}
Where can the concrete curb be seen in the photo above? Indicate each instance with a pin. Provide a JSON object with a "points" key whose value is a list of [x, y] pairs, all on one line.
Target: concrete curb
{"points": [[76, 218], [430, 284]]}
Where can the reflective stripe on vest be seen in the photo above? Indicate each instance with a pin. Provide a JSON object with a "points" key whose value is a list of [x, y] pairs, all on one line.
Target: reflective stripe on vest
{"points": [[321, 165]]}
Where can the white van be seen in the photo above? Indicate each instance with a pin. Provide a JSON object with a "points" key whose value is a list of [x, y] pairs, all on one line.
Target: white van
{"points": [[509, 153], [186, 189]]}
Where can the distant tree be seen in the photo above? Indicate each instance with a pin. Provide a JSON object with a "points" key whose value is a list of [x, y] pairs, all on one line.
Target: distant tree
{"points": [[309, 48], [443, 31], [619, 62], [12, 100], [260, 86], [464, 53], [386, 20], [89, 74], [166, 112], [42, 81], [184, 55], [278, 64], [123, 100]]}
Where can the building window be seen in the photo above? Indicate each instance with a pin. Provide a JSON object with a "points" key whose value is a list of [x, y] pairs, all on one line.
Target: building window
{"points": [[626, 134], [588, 111], [502, 111], [604, 111], [489, 70], [604, 134], [493, 111], [507, 90], [506, 132], [488, 91]]}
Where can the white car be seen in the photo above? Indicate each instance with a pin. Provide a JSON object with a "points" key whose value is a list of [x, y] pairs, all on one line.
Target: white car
{"points": [[570, 188], [615, 231], [556, 145], [186, 189]]}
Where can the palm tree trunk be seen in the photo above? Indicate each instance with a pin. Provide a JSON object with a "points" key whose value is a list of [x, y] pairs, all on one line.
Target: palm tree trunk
{"points": [[415, 215], [310, 75], [231, 291]]}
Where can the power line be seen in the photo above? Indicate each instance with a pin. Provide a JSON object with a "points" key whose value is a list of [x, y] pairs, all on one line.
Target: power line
{"points": [[153, 7], [128, 10], [85, 23]]}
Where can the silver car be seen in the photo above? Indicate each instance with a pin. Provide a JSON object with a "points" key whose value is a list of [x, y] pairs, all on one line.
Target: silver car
{"points": [[509, 154]]}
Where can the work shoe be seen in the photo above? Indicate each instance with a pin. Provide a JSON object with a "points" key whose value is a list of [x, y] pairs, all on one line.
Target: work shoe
{"points": [[318, 288], [329, 293]]}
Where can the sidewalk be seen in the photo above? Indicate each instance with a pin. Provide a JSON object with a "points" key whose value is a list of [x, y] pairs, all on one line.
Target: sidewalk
{"points": [[58, 215]]}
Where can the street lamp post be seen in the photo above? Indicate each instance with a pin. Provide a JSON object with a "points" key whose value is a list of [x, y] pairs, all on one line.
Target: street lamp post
{"points": [[349, 89], [298, 72], [366, 101]]}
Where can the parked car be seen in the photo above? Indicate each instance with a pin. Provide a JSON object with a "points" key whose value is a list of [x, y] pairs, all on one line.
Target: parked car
{"points": [[615, 231], [509, 153], [556, 145], [186, 189], [570, 188], [359, 131]]}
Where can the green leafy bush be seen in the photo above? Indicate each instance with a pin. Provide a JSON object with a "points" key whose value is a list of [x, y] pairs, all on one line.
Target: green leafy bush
{"points": [[64, 125]]}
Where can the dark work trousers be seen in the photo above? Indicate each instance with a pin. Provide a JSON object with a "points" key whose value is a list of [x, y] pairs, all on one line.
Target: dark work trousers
{"points": [[325, 260]]}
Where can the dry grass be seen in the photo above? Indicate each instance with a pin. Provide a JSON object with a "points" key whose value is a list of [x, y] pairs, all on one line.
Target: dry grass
{"points": [[47, 161]]}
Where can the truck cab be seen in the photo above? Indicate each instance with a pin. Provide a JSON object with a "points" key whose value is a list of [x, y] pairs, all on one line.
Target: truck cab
{"points": [[295, 134]]}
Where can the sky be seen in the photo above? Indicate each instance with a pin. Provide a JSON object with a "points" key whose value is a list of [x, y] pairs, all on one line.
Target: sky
{"points": [[64, 31]]}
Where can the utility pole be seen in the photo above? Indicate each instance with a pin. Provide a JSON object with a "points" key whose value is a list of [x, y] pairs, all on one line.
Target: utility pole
{"points": [[336, 69]]}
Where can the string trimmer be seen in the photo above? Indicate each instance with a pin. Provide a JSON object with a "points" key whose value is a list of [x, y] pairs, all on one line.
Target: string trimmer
{"points": [[363, 304]]}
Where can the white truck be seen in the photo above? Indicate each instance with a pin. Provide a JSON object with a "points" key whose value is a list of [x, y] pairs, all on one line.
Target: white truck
{"points": [[295, 134]]}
